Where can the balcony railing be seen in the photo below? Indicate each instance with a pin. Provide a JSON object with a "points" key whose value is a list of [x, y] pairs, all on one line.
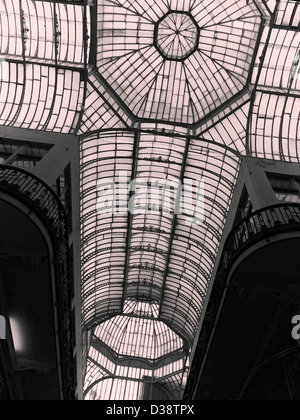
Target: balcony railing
{"points": [[277, 379], [266, 222], [43, 201], [269, 221]]}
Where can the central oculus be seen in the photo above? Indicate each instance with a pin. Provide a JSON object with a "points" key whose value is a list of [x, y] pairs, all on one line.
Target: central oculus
{"points": [[177, 35]]}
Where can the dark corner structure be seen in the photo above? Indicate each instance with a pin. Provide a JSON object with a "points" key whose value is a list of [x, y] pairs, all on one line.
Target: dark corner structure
{"points": [[35, 280], [245, 349]]}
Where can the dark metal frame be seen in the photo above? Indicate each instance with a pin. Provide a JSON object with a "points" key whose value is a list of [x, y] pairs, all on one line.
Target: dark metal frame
{"points": [[156, 41], [137, 119], [38, 196], [276, 363], [263, 223]]}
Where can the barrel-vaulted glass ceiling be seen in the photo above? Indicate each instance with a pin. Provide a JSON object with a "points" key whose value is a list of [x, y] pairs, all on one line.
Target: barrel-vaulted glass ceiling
{"points": [[161, 95]]}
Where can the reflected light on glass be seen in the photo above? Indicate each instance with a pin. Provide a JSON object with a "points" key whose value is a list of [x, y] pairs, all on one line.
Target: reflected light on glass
{"points": [[17, 330]]}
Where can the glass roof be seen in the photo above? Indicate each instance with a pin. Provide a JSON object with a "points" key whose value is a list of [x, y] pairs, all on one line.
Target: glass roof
{"points": [[161, 252], [177, 36], [166, 98], [144, 338], [176, 60]]}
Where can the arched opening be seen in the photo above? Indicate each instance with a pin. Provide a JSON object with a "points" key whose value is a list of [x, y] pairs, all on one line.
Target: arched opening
{"points": [[27, 301]]}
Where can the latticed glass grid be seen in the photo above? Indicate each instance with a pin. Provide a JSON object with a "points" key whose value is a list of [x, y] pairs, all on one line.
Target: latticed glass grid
{"points": [[139, 336], [177, 35], [182, 78], [157, 109]]}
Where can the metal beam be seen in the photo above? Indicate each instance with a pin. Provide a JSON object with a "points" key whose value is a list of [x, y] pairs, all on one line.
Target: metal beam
{"points": [[112, 95], [227, 105], [15, 155], [37, 136], [55, 161], [262, 60], [278, 92], [137, 138], [174, 223], [133, 361], [69, 2], [287, 28], [101, 319], [44, 62]]}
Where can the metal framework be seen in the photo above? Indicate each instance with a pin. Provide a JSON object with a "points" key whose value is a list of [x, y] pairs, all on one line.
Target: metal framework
{"points": [[274, 220], [38, 197], [156, 91]]}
